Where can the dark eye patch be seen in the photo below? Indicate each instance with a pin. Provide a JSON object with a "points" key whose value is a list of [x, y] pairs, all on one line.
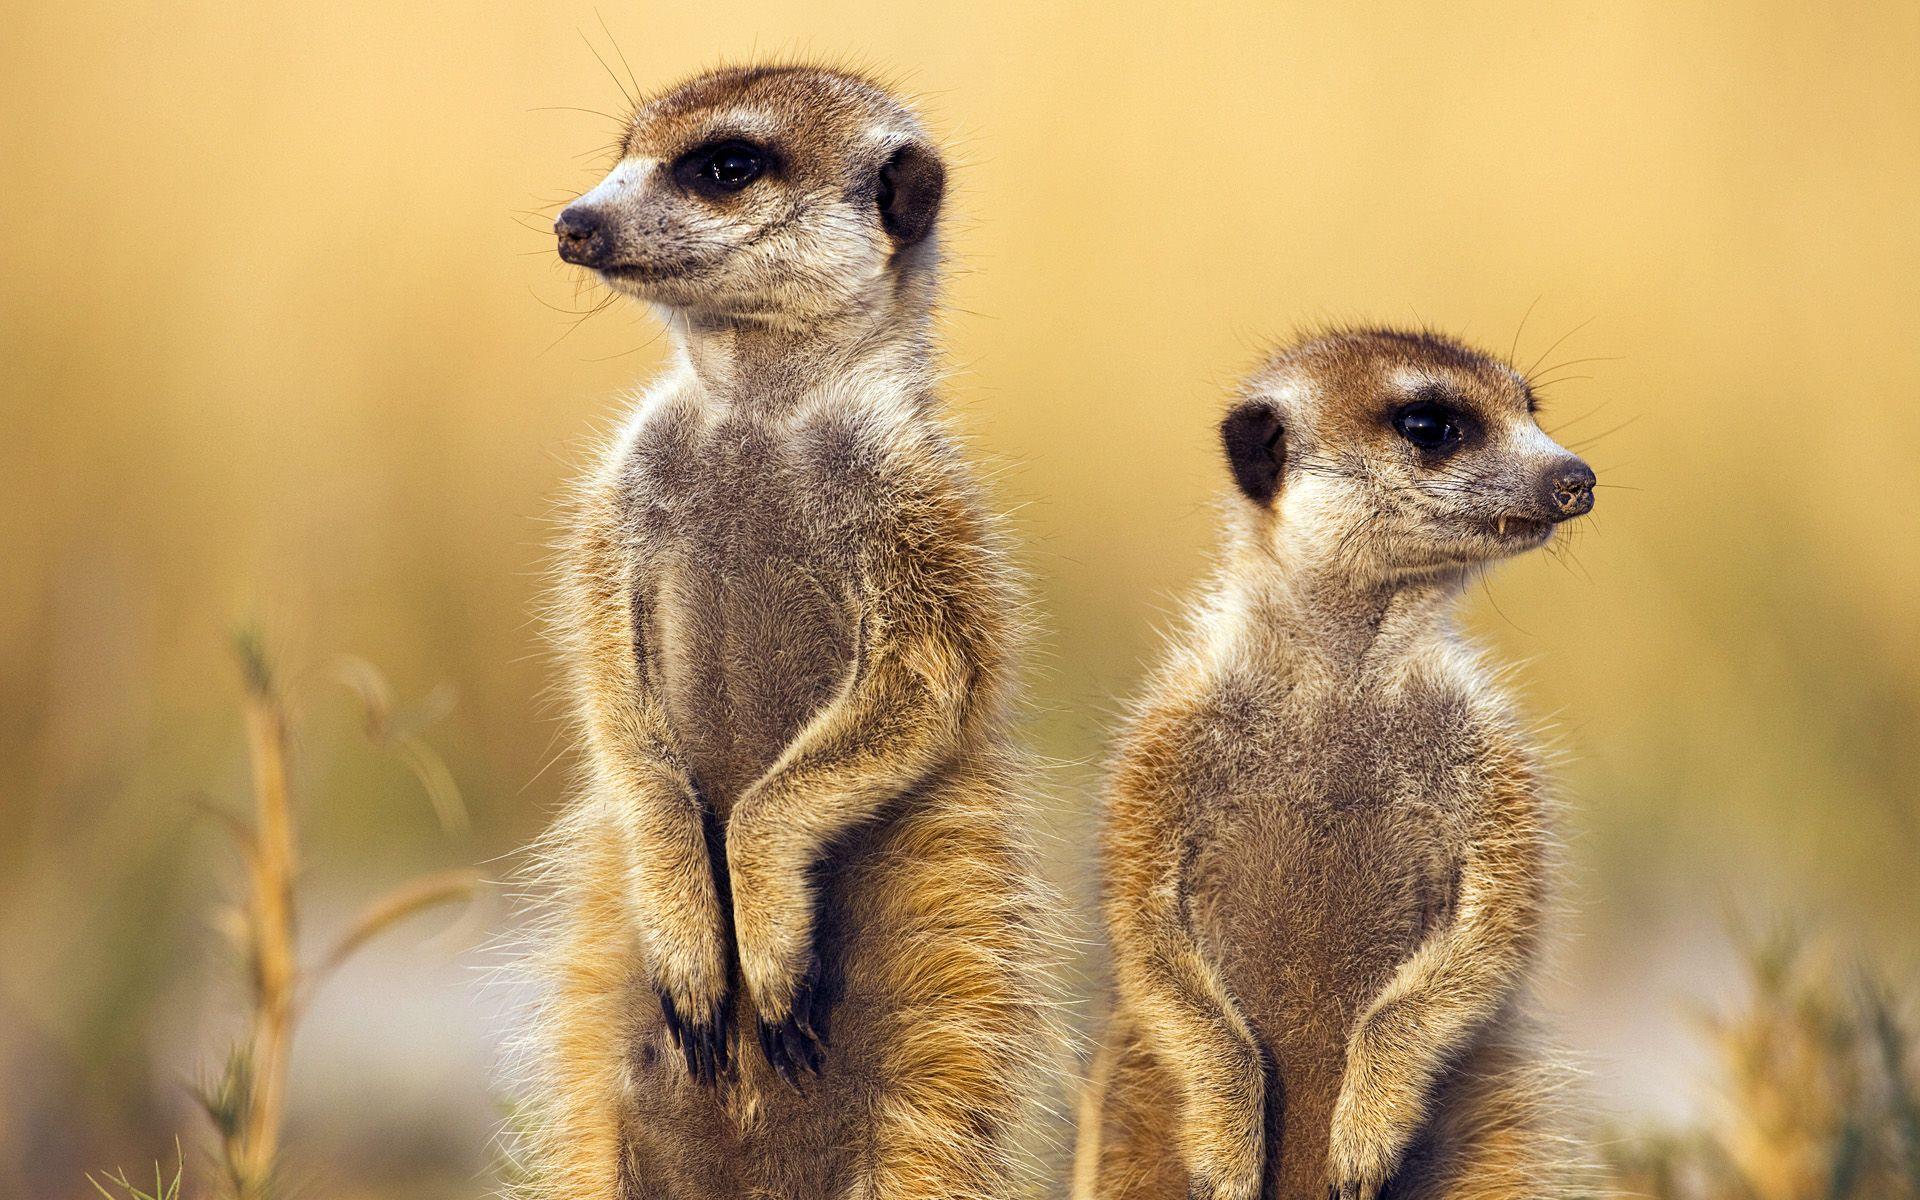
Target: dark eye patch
{"points": [[723, 167], [1433, 425]]}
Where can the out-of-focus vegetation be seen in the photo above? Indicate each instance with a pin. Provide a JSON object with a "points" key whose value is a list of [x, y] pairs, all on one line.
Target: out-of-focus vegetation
{"points": [[244, 1099], [117, 1185], [1816, 1090], [283, 335]]}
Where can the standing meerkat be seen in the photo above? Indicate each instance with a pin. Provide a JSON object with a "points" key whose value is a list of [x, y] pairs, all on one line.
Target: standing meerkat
{"points": [[793, 946], [1324, 850]]}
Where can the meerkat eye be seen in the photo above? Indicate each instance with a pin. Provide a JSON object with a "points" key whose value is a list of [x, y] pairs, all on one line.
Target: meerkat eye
{"points": [[722, 167], [1430, 426]]}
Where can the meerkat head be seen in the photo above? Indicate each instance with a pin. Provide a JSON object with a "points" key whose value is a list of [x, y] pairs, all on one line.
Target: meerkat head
{"points": [[773, 194], [1390, 455]]}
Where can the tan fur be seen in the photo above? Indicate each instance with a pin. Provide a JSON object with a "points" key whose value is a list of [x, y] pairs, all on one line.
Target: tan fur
{"points": [[794, 945], [1325, 844]]}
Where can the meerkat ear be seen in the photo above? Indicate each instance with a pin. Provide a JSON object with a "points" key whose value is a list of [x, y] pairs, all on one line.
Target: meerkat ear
{"points": [[911, 184], [1256, 448]]}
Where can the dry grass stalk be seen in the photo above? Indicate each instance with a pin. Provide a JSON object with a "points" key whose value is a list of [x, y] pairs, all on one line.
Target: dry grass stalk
{"points": [[270, 932], [246, 1099], [163, 1188]]}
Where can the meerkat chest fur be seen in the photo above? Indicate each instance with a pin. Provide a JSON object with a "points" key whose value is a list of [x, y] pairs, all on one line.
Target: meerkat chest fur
{"points": [[1339, 838], [749, 524]]}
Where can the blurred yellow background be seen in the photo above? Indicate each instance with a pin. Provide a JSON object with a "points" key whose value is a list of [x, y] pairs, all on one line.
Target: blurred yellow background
{"points": [[284, 338]]}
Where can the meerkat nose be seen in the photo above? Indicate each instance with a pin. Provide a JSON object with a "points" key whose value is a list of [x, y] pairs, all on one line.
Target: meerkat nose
{"points": [[581, 231], [1569, 489]]}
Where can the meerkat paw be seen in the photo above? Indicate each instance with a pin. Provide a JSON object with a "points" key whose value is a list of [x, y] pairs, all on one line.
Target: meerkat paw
{"points": [[699, 1033], [782, 966], [1356, 1173], [784, 981], [797, 1040], [1229, 1167], [1212, 1188], [696, 1001], [1375, 1118], [1223, 1138], [1361, 1156]]}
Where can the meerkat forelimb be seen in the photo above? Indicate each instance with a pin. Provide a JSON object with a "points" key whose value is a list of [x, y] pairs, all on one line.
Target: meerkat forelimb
{"points": [[1181, 1006], [904, 707], [631, 754]]}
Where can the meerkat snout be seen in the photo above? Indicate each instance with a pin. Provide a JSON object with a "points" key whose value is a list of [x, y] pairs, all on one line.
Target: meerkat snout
{"points": [[1570, 489], [581, 230]]}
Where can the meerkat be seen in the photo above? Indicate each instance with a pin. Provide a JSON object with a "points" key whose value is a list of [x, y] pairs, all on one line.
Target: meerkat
{"points": [[795, 942], [1325, 844]]}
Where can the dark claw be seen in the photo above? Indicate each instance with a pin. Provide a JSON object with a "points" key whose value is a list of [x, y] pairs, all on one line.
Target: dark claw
{"points": [[799, 1041], [821, 1016], [702, 1044], [806, 1049], [816, 1055], [803, 1043], [773, 1044], [815, 1012], [703, 1056], [675, 1029], [720, 1059]]}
